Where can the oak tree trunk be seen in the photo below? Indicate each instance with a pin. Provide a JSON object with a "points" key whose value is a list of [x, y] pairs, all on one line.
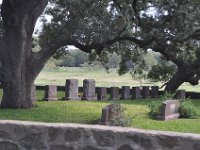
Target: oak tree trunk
{"points": [[179, 78], [16, 56], [173, 85]]}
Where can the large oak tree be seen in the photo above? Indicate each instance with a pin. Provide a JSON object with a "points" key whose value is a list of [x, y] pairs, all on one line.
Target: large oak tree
{"points": [[172, 29], [86, 24]]}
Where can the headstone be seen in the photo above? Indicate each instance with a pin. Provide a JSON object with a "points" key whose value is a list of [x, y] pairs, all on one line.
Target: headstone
{"points": [[180, 94], [154, 92], [101, 93], [89, 89], [169, 110], [33, 93], [50, 93], [145, 92], [125, 92], [114, 93], [109, 113], [136, 93], [71, 90], [106, 114]]}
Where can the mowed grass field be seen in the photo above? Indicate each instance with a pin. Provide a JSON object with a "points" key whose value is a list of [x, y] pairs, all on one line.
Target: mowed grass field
{"points": [[57, 76], [89, 112]]}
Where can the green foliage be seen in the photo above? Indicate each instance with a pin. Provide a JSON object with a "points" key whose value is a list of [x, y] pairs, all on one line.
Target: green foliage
{"points": [[114, 60], [161, 72], [173, 30], [188, 110], [68, 61], [118, 117], [74, 58]]}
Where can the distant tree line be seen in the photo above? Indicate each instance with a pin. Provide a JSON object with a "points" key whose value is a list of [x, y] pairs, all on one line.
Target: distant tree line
{"points": [[78, 58]]}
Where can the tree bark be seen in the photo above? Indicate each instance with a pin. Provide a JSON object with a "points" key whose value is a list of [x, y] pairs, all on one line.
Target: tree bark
{"points": [[19, 17], [179, 78]]}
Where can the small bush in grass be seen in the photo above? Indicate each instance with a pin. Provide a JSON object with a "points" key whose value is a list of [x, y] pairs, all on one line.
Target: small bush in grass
{"points": [[187, 109], [118, 117]]}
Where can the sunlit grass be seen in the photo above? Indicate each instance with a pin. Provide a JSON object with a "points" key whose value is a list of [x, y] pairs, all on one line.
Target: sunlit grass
{"points": [[89, 112], [57, 76]]}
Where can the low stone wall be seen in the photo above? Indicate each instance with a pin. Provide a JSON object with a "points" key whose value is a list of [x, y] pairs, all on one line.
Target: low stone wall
{"points": [[17, 135]]}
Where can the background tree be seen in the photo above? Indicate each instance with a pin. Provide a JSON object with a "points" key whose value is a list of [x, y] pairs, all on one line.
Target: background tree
{"points": [[171, 29], [175, 33], [161, 72]]}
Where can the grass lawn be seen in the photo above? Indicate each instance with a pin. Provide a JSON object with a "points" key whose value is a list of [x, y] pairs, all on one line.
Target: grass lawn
{"points": [[89, 112]]}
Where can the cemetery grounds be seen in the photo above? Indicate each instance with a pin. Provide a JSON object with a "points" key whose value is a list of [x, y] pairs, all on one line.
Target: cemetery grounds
{"points": [[89, 112]]}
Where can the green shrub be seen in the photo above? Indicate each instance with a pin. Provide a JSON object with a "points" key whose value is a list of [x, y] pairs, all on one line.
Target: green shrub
{"points": [[187, 109], [118, 117], [154, 107]]}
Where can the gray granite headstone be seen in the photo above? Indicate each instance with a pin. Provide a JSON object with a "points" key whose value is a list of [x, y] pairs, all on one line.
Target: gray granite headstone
{"points": [[180, 94], [106, 115], [154, 92], [136, 92], [109, 113], [169, 110], [101, 93], [114, 93], [33, 93], [71, 90], [89, 89], [50, 93], [145, 92], [125, 92]]}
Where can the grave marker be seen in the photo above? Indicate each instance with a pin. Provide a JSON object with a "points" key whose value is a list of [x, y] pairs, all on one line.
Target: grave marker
{"points": [[89, 89], [50, 93], [136, 93], [145, 92], [101, 93], [125, 93], [110, 113], [71, 90], [169, 110], [114, 93], [180, 94]]}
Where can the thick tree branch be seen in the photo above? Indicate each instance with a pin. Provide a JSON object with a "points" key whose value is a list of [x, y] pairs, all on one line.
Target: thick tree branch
{"points": [[175, 81], [38, 9], [194, 80]]}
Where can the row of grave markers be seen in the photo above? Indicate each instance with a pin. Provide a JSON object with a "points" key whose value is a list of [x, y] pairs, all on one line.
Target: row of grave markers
{"points": [[91, 92]]}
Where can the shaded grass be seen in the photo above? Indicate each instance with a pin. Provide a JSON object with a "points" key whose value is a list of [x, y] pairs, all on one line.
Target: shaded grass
{"points": [[89, 112]]}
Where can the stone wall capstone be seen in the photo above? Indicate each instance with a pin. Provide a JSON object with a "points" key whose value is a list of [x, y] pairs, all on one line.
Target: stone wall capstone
{"points": [[20, 135]]}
